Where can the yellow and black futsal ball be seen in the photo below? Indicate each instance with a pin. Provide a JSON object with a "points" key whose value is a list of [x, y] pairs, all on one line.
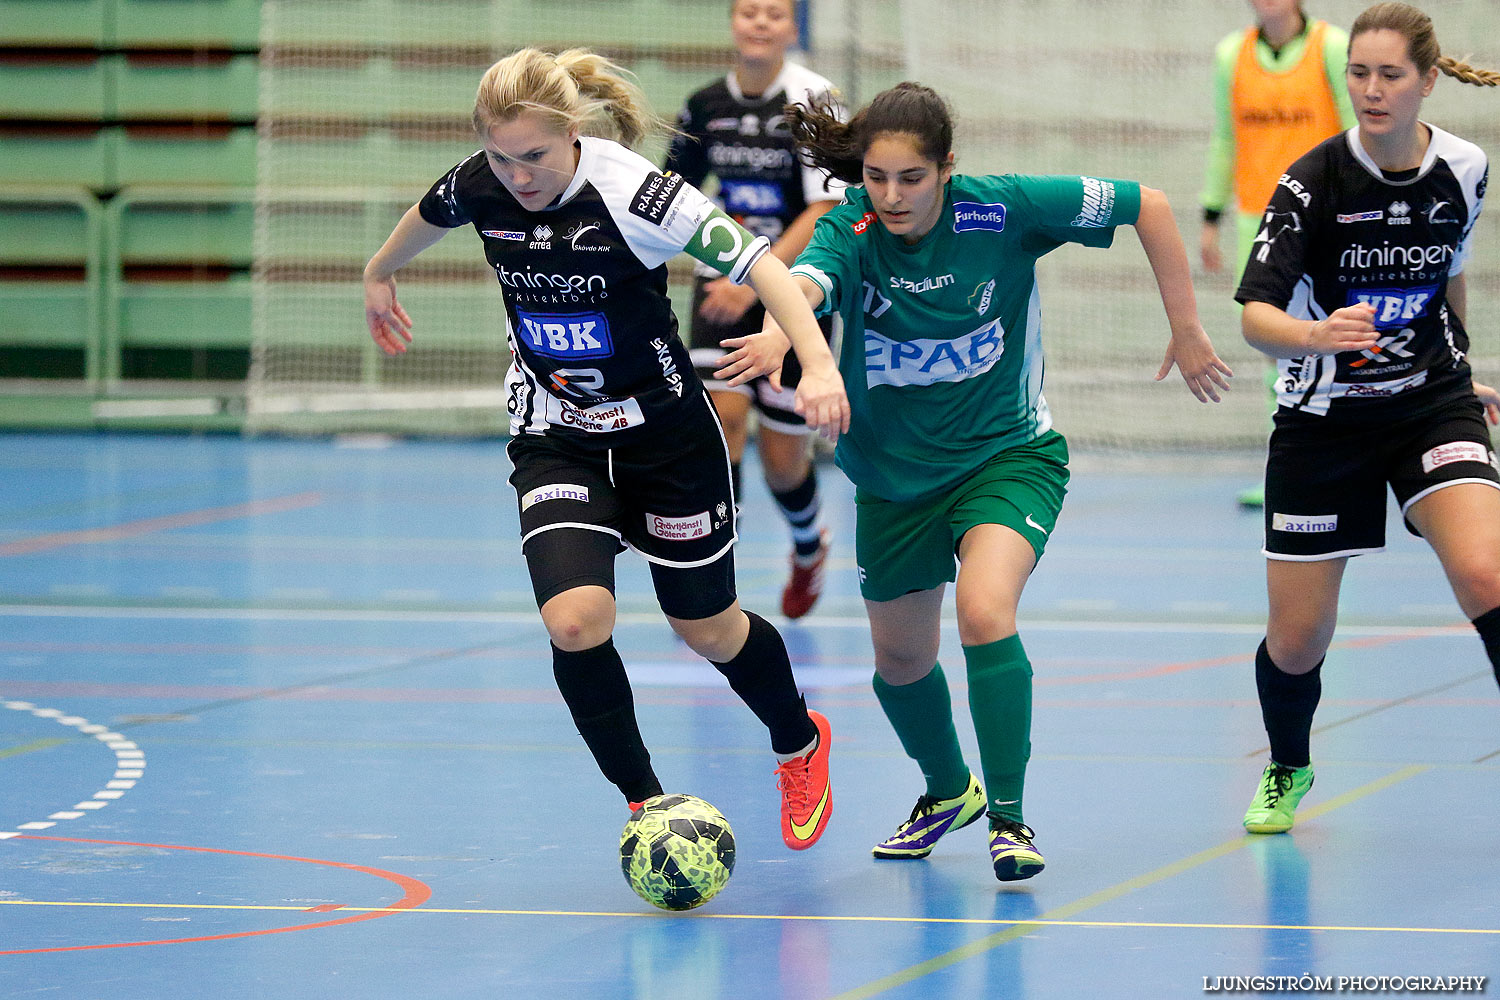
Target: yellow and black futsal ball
{"points": [[676, 851]]}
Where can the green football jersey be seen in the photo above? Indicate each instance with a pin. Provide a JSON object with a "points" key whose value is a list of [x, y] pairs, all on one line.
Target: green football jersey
{"points": [[942, 349]]}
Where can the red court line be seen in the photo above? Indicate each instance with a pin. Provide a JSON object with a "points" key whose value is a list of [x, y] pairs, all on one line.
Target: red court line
{"points": [[168, 522], [1167, 669], [415, 894]]}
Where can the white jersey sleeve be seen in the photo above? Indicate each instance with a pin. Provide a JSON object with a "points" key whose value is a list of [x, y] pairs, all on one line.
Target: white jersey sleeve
{"points": [[802, 87]]}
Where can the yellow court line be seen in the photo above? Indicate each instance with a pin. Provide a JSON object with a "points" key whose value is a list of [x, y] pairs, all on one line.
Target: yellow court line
{"points": [[984, 944], [641, 914], [32, 747]]}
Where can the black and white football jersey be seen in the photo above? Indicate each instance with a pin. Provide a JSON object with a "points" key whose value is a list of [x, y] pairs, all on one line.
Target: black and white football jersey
{"points": [[746, 144], [1340, 231], [594, 345]]}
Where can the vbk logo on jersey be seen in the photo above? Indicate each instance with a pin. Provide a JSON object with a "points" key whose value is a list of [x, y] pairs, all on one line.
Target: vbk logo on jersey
{"points": [[505, 234], [572, 335], [751, 197], [971, 215], [1394, 306]]}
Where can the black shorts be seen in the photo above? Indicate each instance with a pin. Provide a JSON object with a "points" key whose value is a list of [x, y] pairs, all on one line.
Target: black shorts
{"points": [[1325, 482], [775, 408], [669, 499]]}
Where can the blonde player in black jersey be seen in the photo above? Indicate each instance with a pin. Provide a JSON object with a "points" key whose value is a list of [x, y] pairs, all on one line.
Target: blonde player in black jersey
{"points": [[1356, 285], [613, 439]]}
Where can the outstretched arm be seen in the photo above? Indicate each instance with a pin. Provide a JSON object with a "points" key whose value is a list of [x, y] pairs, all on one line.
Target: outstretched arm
{"points": [[820, 392], [389, 324], [1189, 349]]}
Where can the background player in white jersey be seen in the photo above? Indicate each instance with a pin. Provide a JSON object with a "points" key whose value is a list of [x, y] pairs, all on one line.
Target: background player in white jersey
{"points": [[1357, 287], [733, 129], [614, 441], [951, 446]]}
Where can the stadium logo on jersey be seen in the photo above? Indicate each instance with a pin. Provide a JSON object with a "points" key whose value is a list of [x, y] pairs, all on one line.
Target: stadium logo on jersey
{"points": [[864, 222], [971, 215], [655, 196], [752, 197], [554, 491], [1098, 204], [927, 362], [505, 234], [573, 335], [1304, 524], [1272, 226], [679, 529], [541, 237], [927, 284], [985, 291], [1400, 214], [578, 230], [1394, 306], [1456, 451], [1374, 216]]}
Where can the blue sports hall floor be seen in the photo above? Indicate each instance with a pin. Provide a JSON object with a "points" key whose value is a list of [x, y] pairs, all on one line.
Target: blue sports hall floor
{"points": [[277, 720]]}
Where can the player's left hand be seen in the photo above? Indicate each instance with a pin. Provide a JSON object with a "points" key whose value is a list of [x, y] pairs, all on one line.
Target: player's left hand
{"points": [[1489, 398], [755, 355], [822, 402], [1193, 354]]}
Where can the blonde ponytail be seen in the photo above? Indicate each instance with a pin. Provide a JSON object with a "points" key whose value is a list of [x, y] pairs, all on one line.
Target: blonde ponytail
{"points": [[576, 89]]}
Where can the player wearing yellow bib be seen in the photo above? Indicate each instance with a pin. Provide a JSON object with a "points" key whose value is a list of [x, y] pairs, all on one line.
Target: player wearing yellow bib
{"points": [[951, 447]]}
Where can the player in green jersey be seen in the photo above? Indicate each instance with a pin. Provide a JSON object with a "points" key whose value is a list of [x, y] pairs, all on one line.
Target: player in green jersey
{"points": [[951, 447]]}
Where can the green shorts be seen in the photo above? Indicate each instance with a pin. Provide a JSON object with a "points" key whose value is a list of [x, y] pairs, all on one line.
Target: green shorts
{"points": [[906, 546]]}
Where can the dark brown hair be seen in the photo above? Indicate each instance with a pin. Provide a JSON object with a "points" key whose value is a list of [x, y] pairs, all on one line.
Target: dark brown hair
{"points": [[839, 147]]}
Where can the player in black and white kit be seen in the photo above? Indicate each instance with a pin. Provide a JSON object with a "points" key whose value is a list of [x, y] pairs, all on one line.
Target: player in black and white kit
{"points": [[1356, 286], [733, 129], [614, 441]]}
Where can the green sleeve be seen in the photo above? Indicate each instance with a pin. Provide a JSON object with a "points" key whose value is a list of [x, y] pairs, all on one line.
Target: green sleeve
{"points": [[1218, 173], [726, 246], [830, 261], [1071, 209], [1335, 62]]}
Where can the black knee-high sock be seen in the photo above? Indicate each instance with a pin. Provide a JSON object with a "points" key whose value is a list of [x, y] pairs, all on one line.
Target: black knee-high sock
{"points": [[1287, 703], [597, 692], [761, 674], [1488, 627]]}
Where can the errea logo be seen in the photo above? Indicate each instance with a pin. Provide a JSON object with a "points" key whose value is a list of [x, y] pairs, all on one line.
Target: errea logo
{"points": [[1398, 214], [541, 237]]}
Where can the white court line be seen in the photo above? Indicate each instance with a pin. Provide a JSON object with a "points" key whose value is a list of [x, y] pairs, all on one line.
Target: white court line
{"points": [[829, 622], [127, 754]]}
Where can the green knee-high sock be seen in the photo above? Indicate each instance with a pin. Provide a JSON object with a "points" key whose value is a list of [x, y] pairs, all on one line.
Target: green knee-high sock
{"points": [[922, 715], [1000, 700]]}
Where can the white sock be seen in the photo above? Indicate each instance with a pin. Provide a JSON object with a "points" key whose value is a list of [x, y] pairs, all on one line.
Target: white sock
{"points": [[805, 751]]}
